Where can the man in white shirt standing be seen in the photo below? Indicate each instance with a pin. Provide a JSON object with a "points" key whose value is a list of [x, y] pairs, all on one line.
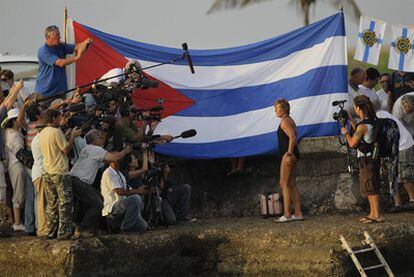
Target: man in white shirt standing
{"points": [[357, 77], [83, 175], [383, 92], [122, 206], [405, 163], [404, 111], [367, 87]]}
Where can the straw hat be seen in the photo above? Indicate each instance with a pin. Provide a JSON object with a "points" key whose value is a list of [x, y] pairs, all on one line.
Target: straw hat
{"points": [[13, 113]]}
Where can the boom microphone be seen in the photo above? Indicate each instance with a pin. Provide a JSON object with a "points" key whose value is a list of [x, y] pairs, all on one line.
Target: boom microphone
{"points": [[187, 56]]}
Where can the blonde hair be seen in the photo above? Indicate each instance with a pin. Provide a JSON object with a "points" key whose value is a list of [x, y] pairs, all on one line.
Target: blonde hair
{"points": [[284, 104]]}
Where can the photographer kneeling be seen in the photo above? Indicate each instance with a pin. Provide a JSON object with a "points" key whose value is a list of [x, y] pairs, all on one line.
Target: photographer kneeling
{"points": [[83, 175], [175, 199], [122, 207], [362, 139]]}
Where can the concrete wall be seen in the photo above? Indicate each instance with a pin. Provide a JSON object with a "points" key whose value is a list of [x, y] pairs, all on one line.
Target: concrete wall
{"points": [[322, 179]]}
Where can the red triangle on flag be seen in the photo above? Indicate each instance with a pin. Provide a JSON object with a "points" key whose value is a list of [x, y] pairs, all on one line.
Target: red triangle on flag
{"points": [[100, 58]]}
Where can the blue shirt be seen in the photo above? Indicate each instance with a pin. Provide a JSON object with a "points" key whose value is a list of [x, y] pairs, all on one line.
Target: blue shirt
{"points": [[51, 79]]}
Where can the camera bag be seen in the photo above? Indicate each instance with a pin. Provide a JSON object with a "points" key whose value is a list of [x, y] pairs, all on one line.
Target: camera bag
{"points": [[25, 157], [271, 204]]}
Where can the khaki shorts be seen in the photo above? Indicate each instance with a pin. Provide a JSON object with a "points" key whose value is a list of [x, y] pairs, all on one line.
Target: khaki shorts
{"points": [[406, 166], [369, 177]]}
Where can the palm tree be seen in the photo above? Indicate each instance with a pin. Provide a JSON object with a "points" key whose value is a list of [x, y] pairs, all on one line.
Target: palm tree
{"points": [[303, 5]]}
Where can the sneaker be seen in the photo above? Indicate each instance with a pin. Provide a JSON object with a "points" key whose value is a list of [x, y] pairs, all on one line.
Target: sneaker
{"points": [[82, 234], [31, 234], [410, 205], [284, 219], [188, 219], [298, 218], [396, 209], [19, 227]]}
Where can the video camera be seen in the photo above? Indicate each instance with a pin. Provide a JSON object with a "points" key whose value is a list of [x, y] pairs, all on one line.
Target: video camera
{"points": [[341, 116]]}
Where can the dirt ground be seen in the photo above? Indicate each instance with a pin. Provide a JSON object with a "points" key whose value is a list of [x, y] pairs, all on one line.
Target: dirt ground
{"points": [[221, 246]]}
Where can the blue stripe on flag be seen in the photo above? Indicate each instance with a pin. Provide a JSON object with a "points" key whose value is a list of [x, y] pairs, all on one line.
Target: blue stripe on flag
{"points": [[266, 143], [331, 79], [402, 55], [366, 52], [268, 50]]}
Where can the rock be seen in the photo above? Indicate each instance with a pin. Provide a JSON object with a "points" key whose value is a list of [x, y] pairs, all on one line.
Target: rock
{"points": [[344, 195]]}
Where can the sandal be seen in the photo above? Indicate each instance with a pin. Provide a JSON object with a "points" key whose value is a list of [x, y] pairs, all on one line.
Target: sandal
{"points": [[368, 220], [365, 218]]}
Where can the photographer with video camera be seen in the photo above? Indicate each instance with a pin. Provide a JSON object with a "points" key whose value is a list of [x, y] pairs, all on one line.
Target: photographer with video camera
{"points": [[362, 139], [83, 175]]}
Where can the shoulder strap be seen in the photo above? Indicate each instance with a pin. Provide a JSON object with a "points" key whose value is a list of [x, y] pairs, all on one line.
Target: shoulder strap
{"points": [[377, 127]]}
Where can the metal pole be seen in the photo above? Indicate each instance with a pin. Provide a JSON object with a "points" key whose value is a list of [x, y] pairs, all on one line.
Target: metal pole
{"points": [[65, 24]]}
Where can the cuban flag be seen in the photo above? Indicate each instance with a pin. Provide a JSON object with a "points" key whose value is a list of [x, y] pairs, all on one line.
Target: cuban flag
{"points": [[402, 49], [229, 100], [370, 38]]}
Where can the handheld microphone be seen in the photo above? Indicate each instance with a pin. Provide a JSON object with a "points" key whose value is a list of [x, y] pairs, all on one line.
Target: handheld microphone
{"points": [[187, 56], [187, 134]]}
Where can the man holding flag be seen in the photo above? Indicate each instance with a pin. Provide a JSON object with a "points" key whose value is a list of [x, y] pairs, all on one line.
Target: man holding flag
{"points": [[51, 78]]}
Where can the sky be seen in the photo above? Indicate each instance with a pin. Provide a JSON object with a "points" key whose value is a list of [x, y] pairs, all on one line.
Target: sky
{"points": [[172, 22]]}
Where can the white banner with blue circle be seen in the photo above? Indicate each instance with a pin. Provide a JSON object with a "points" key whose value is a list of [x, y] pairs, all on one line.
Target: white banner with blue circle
{"points": [[402, 48], [370, 39]]}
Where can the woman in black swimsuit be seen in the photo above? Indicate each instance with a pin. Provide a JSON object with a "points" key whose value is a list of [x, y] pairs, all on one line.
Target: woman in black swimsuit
{"points": [[289, 154]]}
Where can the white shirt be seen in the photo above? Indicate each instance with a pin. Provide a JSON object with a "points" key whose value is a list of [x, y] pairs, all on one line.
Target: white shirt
{"points": [[349, 106], [37, 169], [383, 98], [88, 163], [111, 179], [114, 72], [406, 119], [14, 142], [406, 140], [370, 93]]}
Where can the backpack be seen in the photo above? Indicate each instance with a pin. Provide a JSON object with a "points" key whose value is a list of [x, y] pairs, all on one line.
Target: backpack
{"points": [[386, 138], [385, 144]]}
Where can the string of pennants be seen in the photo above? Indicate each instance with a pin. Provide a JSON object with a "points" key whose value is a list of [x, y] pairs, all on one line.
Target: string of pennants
{"points": [[370, 40]]}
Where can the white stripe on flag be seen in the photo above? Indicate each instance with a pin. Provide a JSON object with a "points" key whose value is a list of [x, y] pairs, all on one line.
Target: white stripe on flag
{"points": [[212, 129], [330, 52]]}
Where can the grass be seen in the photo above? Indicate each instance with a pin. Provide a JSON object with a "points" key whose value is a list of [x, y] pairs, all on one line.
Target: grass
{"points": [[382, 62]]}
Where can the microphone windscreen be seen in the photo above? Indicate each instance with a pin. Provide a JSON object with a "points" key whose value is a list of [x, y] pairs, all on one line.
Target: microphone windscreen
{"points": [[189, 133], [185, 46]]}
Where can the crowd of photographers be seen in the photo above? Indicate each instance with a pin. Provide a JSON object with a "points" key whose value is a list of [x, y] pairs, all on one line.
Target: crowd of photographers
{"points": [[73, 165], [70, 167]]}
